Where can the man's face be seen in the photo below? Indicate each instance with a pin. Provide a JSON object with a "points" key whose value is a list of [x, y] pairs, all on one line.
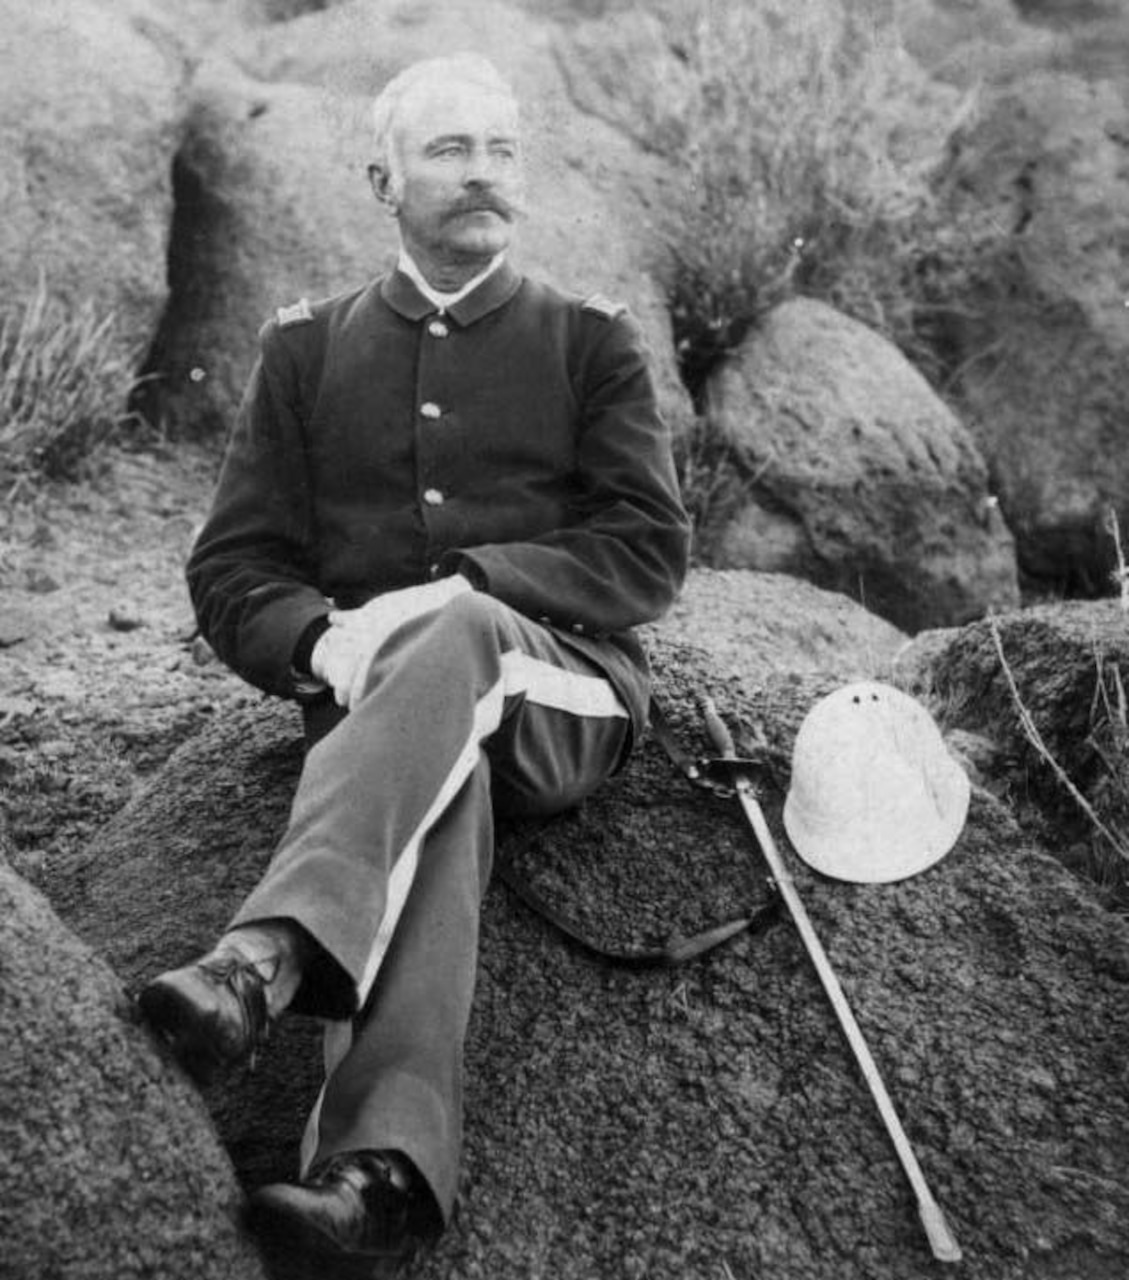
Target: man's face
{"points": [[459, 182]]}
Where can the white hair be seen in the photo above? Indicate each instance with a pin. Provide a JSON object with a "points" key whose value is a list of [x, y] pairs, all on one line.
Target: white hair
{"points": [[431, 73]]}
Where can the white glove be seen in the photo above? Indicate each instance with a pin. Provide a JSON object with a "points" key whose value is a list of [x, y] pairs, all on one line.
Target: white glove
{"points": [[344, 653]]}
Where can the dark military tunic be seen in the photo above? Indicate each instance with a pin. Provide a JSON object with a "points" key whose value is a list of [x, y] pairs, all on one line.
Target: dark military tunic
{"points": [[514, 438]]}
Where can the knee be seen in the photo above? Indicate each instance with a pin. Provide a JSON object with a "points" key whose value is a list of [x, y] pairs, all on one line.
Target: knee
{"points": [[472, 614], [460, 632], [454, 640]]}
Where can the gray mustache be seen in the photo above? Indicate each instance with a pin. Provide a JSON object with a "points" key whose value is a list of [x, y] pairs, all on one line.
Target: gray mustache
{"points": [[485, 204]]}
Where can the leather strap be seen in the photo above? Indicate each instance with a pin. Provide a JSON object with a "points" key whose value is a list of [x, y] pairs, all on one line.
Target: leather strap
{"points": [[676, 949]]}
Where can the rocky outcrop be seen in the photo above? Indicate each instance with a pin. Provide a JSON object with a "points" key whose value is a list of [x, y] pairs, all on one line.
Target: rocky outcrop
{"points": [[1037, 330], [273, 202], [755, 623], [1067, 13], [109, 1165], [268, 210], [854, 475], [1067, 714], [968, 44], [250, 118], [665, 1123], [90, 111]]}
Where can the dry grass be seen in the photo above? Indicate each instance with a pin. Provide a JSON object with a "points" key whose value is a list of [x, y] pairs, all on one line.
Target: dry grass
{"points": [[1109, 738], [812, 150], [1120, 574], [811, 142], [64, 388], [711, 483]]}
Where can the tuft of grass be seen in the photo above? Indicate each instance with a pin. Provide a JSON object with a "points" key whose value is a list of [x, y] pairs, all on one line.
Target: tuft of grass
{"points": [[64, 388], [811, 144], [711, 483], [1109, 738], [1119, 574]]}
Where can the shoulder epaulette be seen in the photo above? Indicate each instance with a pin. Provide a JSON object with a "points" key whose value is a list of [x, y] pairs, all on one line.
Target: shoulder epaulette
{"points": [[298, 313], [603, 306]]}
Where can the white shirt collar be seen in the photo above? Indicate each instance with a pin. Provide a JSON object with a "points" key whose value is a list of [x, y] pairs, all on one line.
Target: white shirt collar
{"points": [[444, 300]]}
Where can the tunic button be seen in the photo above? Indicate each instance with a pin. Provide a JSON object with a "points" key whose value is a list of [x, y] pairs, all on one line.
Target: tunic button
{"points": [[438, 329], [433, 497], [430, 410], [578, 627]]}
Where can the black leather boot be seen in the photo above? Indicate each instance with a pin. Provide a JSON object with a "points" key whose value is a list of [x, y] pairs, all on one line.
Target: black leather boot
{"points": [[212, 1013], [365, 1203]]}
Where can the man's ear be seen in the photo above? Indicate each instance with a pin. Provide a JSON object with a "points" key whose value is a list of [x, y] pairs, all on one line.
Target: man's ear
{"points": [[381, 182]]}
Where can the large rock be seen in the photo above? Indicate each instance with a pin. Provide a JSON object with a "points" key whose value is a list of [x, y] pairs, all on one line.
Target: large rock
{"points": [[687, 1123], [1037, 331], [199, 27], [756, 623], [89, 105], [268, 210], [1028, 318], [273, 202], [969, 43], [109, 1165], [1068, 13], [854, 475], [1099, 38], [1047, 686]]}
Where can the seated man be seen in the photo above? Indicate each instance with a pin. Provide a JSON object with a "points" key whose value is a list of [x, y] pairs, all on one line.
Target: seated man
{"points": [[447, 500]]}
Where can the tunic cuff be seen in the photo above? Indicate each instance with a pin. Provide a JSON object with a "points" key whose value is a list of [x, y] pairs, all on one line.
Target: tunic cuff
{"points": [[307, 641]]}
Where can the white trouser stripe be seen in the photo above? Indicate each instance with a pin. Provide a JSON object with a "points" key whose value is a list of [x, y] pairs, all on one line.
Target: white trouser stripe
{"points": [[487, 718], [541, 683], [550, 686]]}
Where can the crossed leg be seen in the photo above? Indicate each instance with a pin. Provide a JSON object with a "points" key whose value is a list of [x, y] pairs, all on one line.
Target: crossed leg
{"points": [[388, 854]]}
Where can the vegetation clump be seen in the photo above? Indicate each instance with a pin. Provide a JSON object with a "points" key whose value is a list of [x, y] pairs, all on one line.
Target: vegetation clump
{"points": [[818, 156], [815, 147], [64, 388]]}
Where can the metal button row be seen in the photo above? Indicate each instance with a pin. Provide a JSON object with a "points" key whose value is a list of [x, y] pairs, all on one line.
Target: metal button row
{"points": [[546, 621]]}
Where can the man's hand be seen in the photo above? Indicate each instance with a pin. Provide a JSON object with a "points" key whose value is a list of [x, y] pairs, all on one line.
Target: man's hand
{"points": [[343, 655]]}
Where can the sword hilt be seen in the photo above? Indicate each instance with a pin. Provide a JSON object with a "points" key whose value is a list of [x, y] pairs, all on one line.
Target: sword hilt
{"points": [[719, 733]]}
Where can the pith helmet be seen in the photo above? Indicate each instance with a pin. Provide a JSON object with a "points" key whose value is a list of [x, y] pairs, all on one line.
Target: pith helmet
{"points": [[875, 795]]}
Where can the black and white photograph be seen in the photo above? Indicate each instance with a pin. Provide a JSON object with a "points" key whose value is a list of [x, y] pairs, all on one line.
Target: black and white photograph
{"points": [[564, 639]]}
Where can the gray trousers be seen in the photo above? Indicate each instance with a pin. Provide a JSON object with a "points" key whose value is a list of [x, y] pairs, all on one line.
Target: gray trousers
{"points": [[388, 852]]}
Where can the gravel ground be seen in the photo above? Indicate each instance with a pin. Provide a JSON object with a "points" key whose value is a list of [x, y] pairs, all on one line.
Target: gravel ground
{"points": [[98, 678]]}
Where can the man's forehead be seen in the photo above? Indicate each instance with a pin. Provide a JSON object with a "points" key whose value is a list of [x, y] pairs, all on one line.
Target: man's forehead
{"points": [[437, 110]]}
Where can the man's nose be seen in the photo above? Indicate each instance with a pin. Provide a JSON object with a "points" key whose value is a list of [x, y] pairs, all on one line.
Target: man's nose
{"points": [[479, 168]]}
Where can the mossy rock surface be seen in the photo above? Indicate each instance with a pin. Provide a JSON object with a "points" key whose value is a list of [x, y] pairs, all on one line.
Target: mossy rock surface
{"points": [[679, 1123], [110, 1168]]}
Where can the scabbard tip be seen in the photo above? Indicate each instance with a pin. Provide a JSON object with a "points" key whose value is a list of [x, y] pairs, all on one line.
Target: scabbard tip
{"points": [[941, 1239]]}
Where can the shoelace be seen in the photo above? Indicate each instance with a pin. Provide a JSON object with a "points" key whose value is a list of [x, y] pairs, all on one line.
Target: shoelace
{"points": [[247, 982]]}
